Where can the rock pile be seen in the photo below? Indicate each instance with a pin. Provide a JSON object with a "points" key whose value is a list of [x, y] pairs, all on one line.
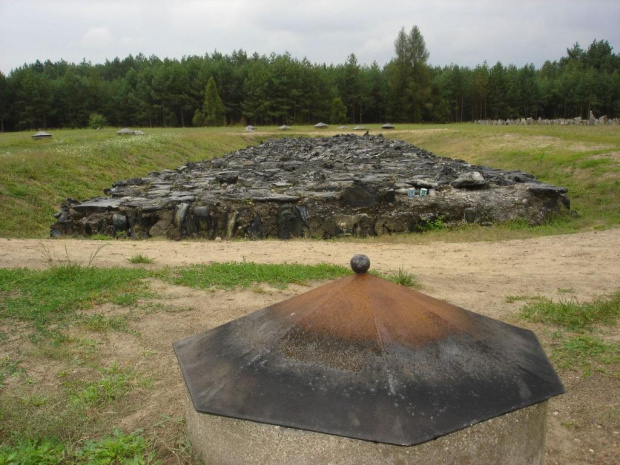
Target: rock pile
{"points": [[324, 187], [591, 121]]}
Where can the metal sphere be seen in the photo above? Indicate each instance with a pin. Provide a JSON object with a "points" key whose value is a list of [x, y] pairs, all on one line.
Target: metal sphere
{"points": [[360, 263]]}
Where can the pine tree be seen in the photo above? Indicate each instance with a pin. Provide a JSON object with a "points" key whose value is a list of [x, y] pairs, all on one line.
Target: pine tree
{"points": [[213, 109], [409, 76], [199, 119], [339, 112]]}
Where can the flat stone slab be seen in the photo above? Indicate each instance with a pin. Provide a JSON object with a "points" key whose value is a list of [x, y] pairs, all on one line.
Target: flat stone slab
{"points": [[297, 187]]}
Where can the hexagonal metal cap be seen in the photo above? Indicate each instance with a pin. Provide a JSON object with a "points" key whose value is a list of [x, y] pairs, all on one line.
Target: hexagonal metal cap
{"points": [[368, 359]]}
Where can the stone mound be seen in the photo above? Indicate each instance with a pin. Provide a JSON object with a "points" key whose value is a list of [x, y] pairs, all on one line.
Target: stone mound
{"points": [[322, 187]]}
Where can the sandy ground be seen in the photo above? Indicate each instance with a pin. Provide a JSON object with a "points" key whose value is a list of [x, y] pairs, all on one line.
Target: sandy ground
{"points": [[477, 276], [584, 424]]}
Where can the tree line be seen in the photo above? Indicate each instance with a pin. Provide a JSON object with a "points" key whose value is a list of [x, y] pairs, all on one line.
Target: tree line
{"points": [[217, 89]]}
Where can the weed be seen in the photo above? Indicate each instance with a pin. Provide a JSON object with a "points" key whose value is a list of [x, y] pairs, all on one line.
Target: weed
{"points": [[35, 401], [140, 259], [55, 261], [568, 290], [102, 323], [156, 307], [518, 298], [569, 424], [431, 224], [572, 314], [258, 290], [33, 452], [404, 278], [114, 383], [117, 448], [10, 367]]}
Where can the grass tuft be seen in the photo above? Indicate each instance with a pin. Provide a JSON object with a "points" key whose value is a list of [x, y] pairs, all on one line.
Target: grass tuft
{"points": [[404, 278], [519, 298], [101, 323], [587, 353], [141, 259], [573, 314], [114, 384], [119, 448]]}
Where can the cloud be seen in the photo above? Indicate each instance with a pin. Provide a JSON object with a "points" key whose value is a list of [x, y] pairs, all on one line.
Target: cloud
{"points": [[97, 37], [465, 33]]}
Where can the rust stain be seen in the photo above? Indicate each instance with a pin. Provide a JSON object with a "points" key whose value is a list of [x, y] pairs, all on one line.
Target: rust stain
{"points": [[370, 310]]}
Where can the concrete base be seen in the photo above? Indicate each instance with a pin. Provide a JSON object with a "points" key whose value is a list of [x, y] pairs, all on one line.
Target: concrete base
{"points": [[517, 438]]}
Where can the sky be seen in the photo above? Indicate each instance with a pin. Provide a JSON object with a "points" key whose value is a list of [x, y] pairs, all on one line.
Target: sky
{"points": [[463, 32]]}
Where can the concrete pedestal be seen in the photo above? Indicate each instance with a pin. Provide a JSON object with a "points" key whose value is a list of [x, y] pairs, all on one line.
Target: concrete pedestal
{"points": [[517, 438]]}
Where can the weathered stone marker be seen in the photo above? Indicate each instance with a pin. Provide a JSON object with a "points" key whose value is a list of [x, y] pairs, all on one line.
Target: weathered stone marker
{"points": [[361, 370], [320, 187]]}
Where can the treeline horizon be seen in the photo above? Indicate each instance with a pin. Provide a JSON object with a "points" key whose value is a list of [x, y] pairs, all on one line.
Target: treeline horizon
{"points": [[279, 89]]}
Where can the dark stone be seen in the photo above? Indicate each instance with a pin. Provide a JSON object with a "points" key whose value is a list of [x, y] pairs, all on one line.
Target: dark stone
{"points": [[228, 177], [545, 189], [119, 222], [359, 196], [388, 197], [62, 216], [130, 182], [201, 212], [519, 176], [470, 180], [290, 222], [470, 215], [445, 175], [97, 204], [255, 228]]}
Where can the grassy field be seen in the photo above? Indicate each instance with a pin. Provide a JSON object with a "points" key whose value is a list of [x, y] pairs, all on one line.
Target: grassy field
{"points": [[36, 176]]}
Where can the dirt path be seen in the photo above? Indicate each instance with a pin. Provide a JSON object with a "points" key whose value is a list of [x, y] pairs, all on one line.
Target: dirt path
{"points": [[477, 275]]}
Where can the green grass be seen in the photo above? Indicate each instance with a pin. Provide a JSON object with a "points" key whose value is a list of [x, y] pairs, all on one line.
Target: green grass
{"points": [[586, 353], [404, 278], [573, 314], [101, 323], [9, 367], [37, 176], [113, 384], [51, 299], [53, 296], [139, 259], [519, 298], [244, 275], [119, 448], [579, 344]]}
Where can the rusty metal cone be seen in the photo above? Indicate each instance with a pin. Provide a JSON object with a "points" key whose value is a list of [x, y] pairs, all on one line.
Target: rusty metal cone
{"points": [[368, 359]]}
